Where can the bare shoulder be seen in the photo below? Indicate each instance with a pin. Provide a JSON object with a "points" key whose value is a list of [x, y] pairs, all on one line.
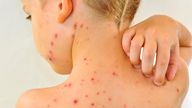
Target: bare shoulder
{"points": [[177, 89], [172, 94], [33, 98], [27, 99]]}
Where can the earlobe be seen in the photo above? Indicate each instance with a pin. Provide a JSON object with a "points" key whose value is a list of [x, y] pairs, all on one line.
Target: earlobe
{"points": [[65, 8]]}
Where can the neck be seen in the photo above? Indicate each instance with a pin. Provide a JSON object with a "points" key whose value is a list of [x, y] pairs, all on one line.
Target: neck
{"points": [[97, 47]]}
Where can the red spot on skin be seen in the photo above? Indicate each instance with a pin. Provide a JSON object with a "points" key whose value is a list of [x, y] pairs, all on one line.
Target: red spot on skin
{"points": [[55, 100], [60, 5], [95, 72], [68, 85], [50, 59], [92, 79], [81, 26], [50, 52], [124, 106], [73, 36], [52, 43], [109, 99], [75, 26], [114, 74], [104, 91], [75, 101], [48, 106], [177, 90], [86, 96], [98, 93], [148, 101], [92, 104], [85, 59], [56, 36]]}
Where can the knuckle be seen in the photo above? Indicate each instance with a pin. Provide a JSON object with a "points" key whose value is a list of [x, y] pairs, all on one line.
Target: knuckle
{"points": [[148, 55], [151, 30], [164, 40], [163, 63], [138, 41], [134, 43], [129, 33]]}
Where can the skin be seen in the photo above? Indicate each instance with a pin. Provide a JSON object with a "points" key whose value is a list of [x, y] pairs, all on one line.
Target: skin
{"points": [[99, 78]]}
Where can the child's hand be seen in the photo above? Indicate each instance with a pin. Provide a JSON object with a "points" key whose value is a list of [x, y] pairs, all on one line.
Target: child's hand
{"points": [[157, 35]]}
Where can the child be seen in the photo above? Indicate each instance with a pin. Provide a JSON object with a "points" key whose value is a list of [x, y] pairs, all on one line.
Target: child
{"points": [[84, 37]]}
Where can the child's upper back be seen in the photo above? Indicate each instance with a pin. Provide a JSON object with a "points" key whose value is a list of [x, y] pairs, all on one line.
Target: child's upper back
{"points": [[112, 91]]}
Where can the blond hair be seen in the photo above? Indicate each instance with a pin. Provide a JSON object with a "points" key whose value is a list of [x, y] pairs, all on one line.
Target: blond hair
{"points": [[119, 10]]}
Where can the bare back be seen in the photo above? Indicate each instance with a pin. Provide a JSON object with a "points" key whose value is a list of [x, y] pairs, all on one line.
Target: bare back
{"points": [[112, 91]]}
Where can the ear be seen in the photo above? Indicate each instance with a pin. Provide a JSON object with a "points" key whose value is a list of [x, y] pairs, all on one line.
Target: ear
{"points": [[65, 8]]}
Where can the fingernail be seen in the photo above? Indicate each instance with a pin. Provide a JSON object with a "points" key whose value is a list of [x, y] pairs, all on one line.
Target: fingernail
{"points": [[172, 75], [159, 82], [147, 75]]}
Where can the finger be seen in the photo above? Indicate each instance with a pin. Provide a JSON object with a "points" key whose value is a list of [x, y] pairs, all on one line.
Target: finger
{"points": [[149, 50], [126, 42], [173, 63], [162, 61], [135, 49]]}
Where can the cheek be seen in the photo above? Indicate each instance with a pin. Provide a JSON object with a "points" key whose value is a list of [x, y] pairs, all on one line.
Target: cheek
{"points": [[42, 30], [59, 52], [60, 46], [53, 42], [41, 36]]}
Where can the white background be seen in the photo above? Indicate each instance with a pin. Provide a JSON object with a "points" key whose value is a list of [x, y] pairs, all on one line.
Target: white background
{"points": [[22, 68]]}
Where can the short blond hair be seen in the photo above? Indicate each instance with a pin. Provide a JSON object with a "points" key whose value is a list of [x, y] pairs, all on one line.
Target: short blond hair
{"points": [[118, 10]]}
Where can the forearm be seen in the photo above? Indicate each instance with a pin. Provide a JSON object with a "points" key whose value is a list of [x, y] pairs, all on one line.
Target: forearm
{"points": [[185, 41]]}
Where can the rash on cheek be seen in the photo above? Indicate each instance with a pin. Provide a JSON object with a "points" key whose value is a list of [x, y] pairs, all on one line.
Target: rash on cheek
{"points": [[56, 36], [177, 90], [52, 46], [75, 26]]}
